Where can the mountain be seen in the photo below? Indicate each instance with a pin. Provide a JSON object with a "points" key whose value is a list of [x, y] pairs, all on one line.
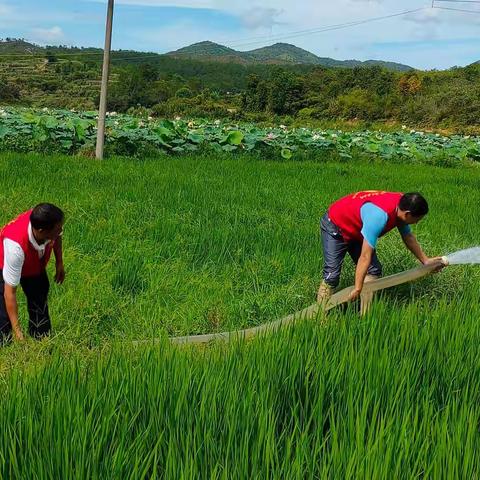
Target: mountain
{"points": [[284, 53], [280, 53], [211, 51]]}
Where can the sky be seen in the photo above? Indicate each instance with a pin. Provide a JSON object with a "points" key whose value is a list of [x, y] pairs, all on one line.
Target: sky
{"points": [[426, 39]]}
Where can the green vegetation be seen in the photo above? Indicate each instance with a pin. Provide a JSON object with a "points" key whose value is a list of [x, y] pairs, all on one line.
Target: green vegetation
{"points": [[395, 396], [197, 244], [71, 132], [59, 77], [223, 233], [280, 54]]}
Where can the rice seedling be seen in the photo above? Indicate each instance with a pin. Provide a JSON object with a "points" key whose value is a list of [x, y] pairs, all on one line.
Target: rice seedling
{"points": [[195, 244]]}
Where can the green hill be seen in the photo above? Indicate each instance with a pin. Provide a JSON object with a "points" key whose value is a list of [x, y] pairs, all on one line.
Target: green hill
{"points": [[279, 53], [210, 51], [284, 52], [18, 46]]}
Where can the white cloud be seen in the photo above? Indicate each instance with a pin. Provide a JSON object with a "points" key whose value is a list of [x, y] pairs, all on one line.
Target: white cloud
{"points": [[47, 35], [256, 18], [11, 16]]}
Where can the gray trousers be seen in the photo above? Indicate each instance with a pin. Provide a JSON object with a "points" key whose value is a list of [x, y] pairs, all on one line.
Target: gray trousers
{"points": [[334, 250]]}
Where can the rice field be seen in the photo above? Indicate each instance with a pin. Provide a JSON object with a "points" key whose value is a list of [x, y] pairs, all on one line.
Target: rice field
{"points": [[198, 244]]}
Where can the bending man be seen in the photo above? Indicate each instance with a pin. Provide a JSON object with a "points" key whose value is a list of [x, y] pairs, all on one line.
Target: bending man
{"points": [[26, 244], [354, 224]]}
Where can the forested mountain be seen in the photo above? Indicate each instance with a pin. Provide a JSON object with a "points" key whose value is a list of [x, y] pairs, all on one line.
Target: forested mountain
{"points": [[168, 85], [280, 53]]}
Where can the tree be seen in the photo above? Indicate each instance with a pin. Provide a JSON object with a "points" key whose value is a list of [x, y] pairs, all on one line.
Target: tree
{"points": [[50, 56], [8, 91], [285, 93], [184, 92], [410, 84]]}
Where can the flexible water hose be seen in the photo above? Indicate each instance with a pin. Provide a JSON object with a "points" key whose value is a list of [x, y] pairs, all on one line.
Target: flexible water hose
{"points": [[313, 310]]}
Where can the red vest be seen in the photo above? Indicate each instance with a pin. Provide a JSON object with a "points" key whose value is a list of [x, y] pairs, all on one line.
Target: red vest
{"points": [[345, 213], [17, 230]]}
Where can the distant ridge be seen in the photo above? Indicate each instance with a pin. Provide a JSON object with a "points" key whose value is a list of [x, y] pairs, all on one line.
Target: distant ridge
{"points": [[279, 53]]}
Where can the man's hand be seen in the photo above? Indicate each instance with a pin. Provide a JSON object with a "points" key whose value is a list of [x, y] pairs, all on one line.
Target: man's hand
{"points": [[59, 273], [355, 293], [439, 260]]}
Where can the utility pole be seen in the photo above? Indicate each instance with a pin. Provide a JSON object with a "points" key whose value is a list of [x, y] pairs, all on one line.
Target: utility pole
{"points": [[102, 108]]}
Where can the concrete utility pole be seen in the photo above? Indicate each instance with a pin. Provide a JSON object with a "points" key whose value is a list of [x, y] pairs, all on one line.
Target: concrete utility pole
{"points": [[102, 109]]}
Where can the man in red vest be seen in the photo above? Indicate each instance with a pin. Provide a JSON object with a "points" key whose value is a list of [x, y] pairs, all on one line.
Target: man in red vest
{"points": [[354, 224], [26, 244]]}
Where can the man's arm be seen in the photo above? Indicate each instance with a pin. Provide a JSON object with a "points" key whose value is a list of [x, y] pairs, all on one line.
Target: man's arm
{"points": [[12, 271], [10, 294], [412, 244], [59, 268], [374, 220], [362, 268]]}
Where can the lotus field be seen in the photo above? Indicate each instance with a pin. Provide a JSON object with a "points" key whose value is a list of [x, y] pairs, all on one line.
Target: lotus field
{"points": [[60, 131]]}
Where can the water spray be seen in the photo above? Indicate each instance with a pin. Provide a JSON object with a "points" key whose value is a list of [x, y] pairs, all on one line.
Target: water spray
{"points": [[469, 256]]}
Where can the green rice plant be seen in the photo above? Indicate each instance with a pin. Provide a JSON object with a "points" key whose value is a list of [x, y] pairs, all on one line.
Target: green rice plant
{"points": [[196, 244], [188, 245], [394, 395]]}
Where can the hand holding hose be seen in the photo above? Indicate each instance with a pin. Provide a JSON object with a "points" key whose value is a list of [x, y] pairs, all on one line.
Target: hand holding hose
{"points": [[441, 261]]}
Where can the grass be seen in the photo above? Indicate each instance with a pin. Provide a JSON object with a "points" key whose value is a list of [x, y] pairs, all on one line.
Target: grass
{"points": [[394, 395], [193, 245], [196, 244]]}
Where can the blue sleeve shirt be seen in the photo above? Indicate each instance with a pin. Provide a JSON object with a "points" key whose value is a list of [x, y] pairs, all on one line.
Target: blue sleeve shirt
{"points": [[374, 220]]}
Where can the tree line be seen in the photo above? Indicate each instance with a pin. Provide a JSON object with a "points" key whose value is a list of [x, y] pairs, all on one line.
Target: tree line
{"points": [[168, 86]]}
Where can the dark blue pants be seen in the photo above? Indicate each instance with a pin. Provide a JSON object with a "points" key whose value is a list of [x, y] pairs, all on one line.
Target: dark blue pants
{"points": [[334, 250], [36, 290]]}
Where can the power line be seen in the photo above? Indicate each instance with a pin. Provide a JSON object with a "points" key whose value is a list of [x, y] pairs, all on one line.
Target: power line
{"points": [[320, 29], [457, 1], [300, 33], [294, 34], [336, 27], [456, 9]]}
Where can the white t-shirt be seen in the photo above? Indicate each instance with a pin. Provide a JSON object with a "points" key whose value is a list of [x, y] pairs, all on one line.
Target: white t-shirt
{"points": [[14, 257]]}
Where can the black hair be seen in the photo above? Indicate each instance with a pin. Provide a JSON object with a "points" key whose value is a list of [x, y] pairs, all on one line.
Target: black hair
{"points": [[414, 203], [45, 216]]}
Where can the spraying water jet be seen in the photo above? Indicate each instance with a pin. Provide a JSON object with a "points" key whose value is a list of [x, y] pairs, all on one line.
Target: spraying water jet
{"points": [[469, 256]]}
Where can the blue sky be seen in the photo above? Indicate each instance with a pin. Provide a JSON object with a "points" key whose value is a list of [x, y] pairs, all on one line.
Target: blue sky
{"points": [[431, 38]]}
